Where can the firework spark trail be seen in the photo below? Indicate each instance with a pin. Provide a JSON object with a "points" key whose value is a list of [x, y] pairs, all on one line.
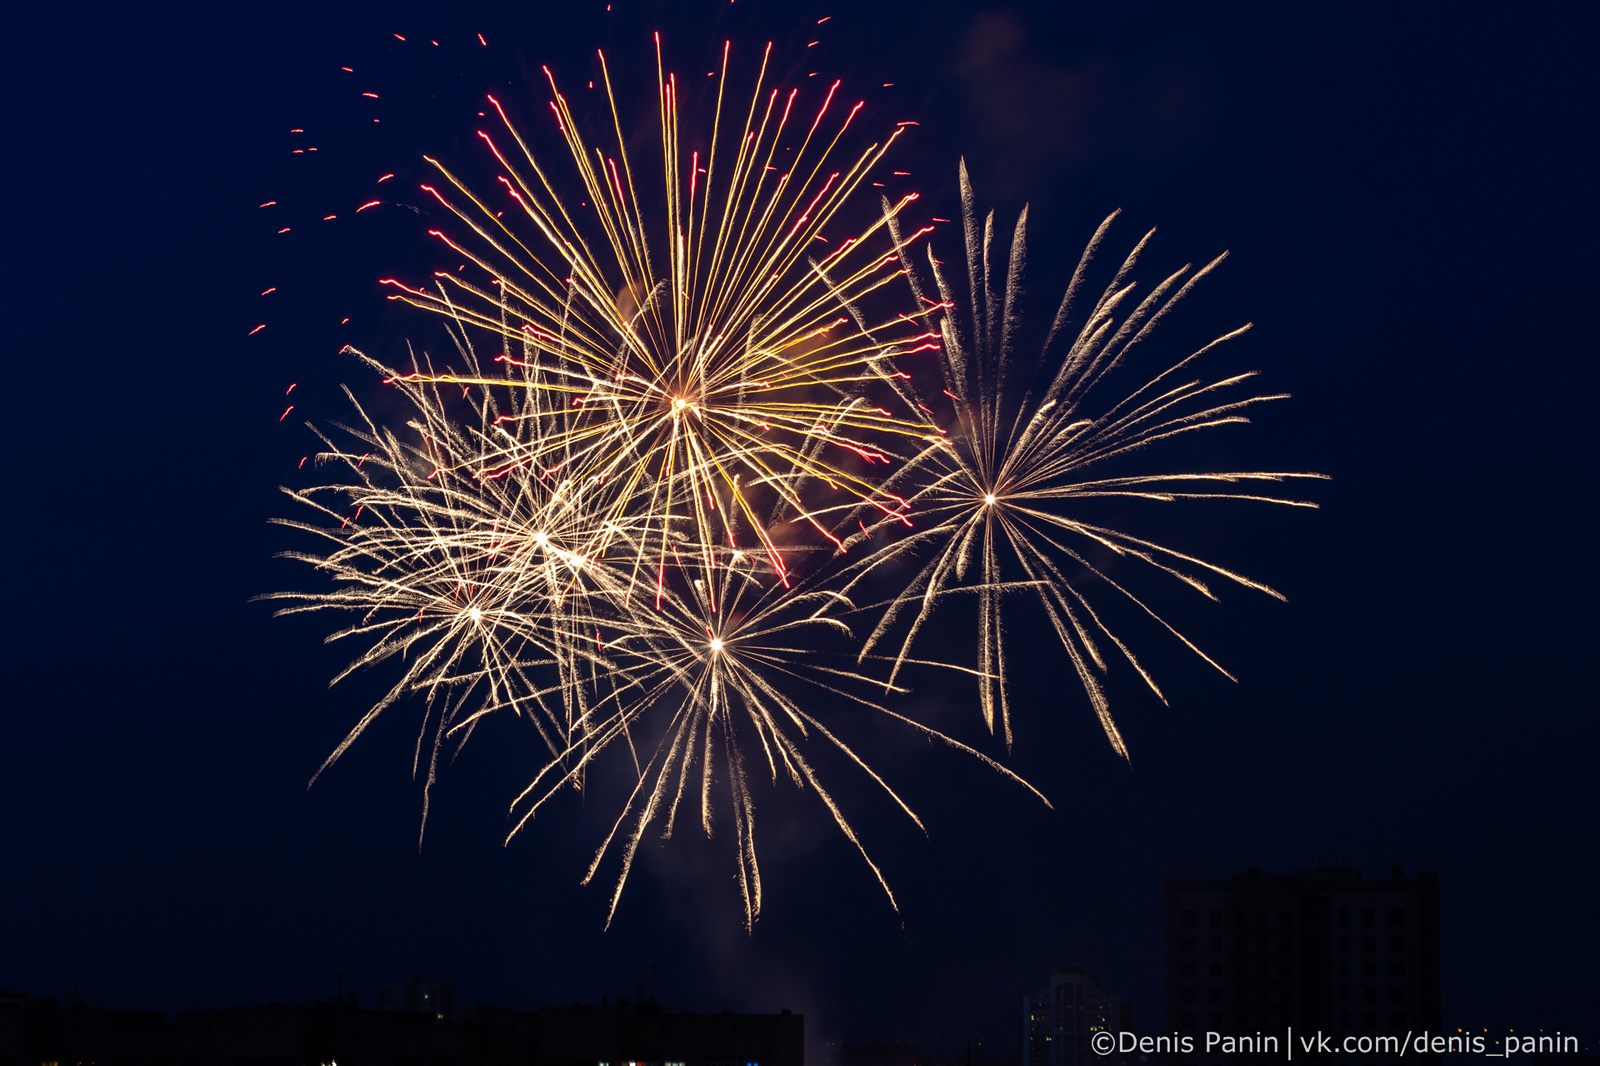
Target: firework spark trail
{"points": [[996, 499], [637, 523]]}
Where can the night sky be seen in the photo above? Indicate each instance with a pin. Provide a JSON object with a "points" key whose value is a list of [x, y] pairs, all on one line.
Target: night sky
{"points": [[1407, 192]]}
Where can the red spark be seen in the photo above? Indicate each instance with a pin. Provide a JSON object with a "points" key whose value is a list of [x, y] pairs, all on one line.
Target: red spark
{"points": [[869, 456], [258, 329], [286, 411]]}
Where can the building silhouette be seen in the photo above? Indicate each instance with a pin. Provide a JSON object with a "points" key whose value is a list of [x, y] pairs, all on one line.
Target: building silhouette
{"points": [[1324, 949], [1059, 1021], [414, 1030]]}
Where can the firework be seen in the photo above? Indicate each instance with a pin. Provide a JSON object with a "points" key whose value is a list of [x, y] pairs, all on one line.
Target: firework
{"points": [[480, 584], [999, 503], [718, 354], [627, 537], [706, 664], [684, 440]]}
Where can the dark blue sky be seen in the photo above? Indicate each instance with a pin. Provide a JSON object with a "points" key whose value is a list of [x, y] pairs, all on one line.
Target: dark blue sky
{"points": [[1407, 192]]}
